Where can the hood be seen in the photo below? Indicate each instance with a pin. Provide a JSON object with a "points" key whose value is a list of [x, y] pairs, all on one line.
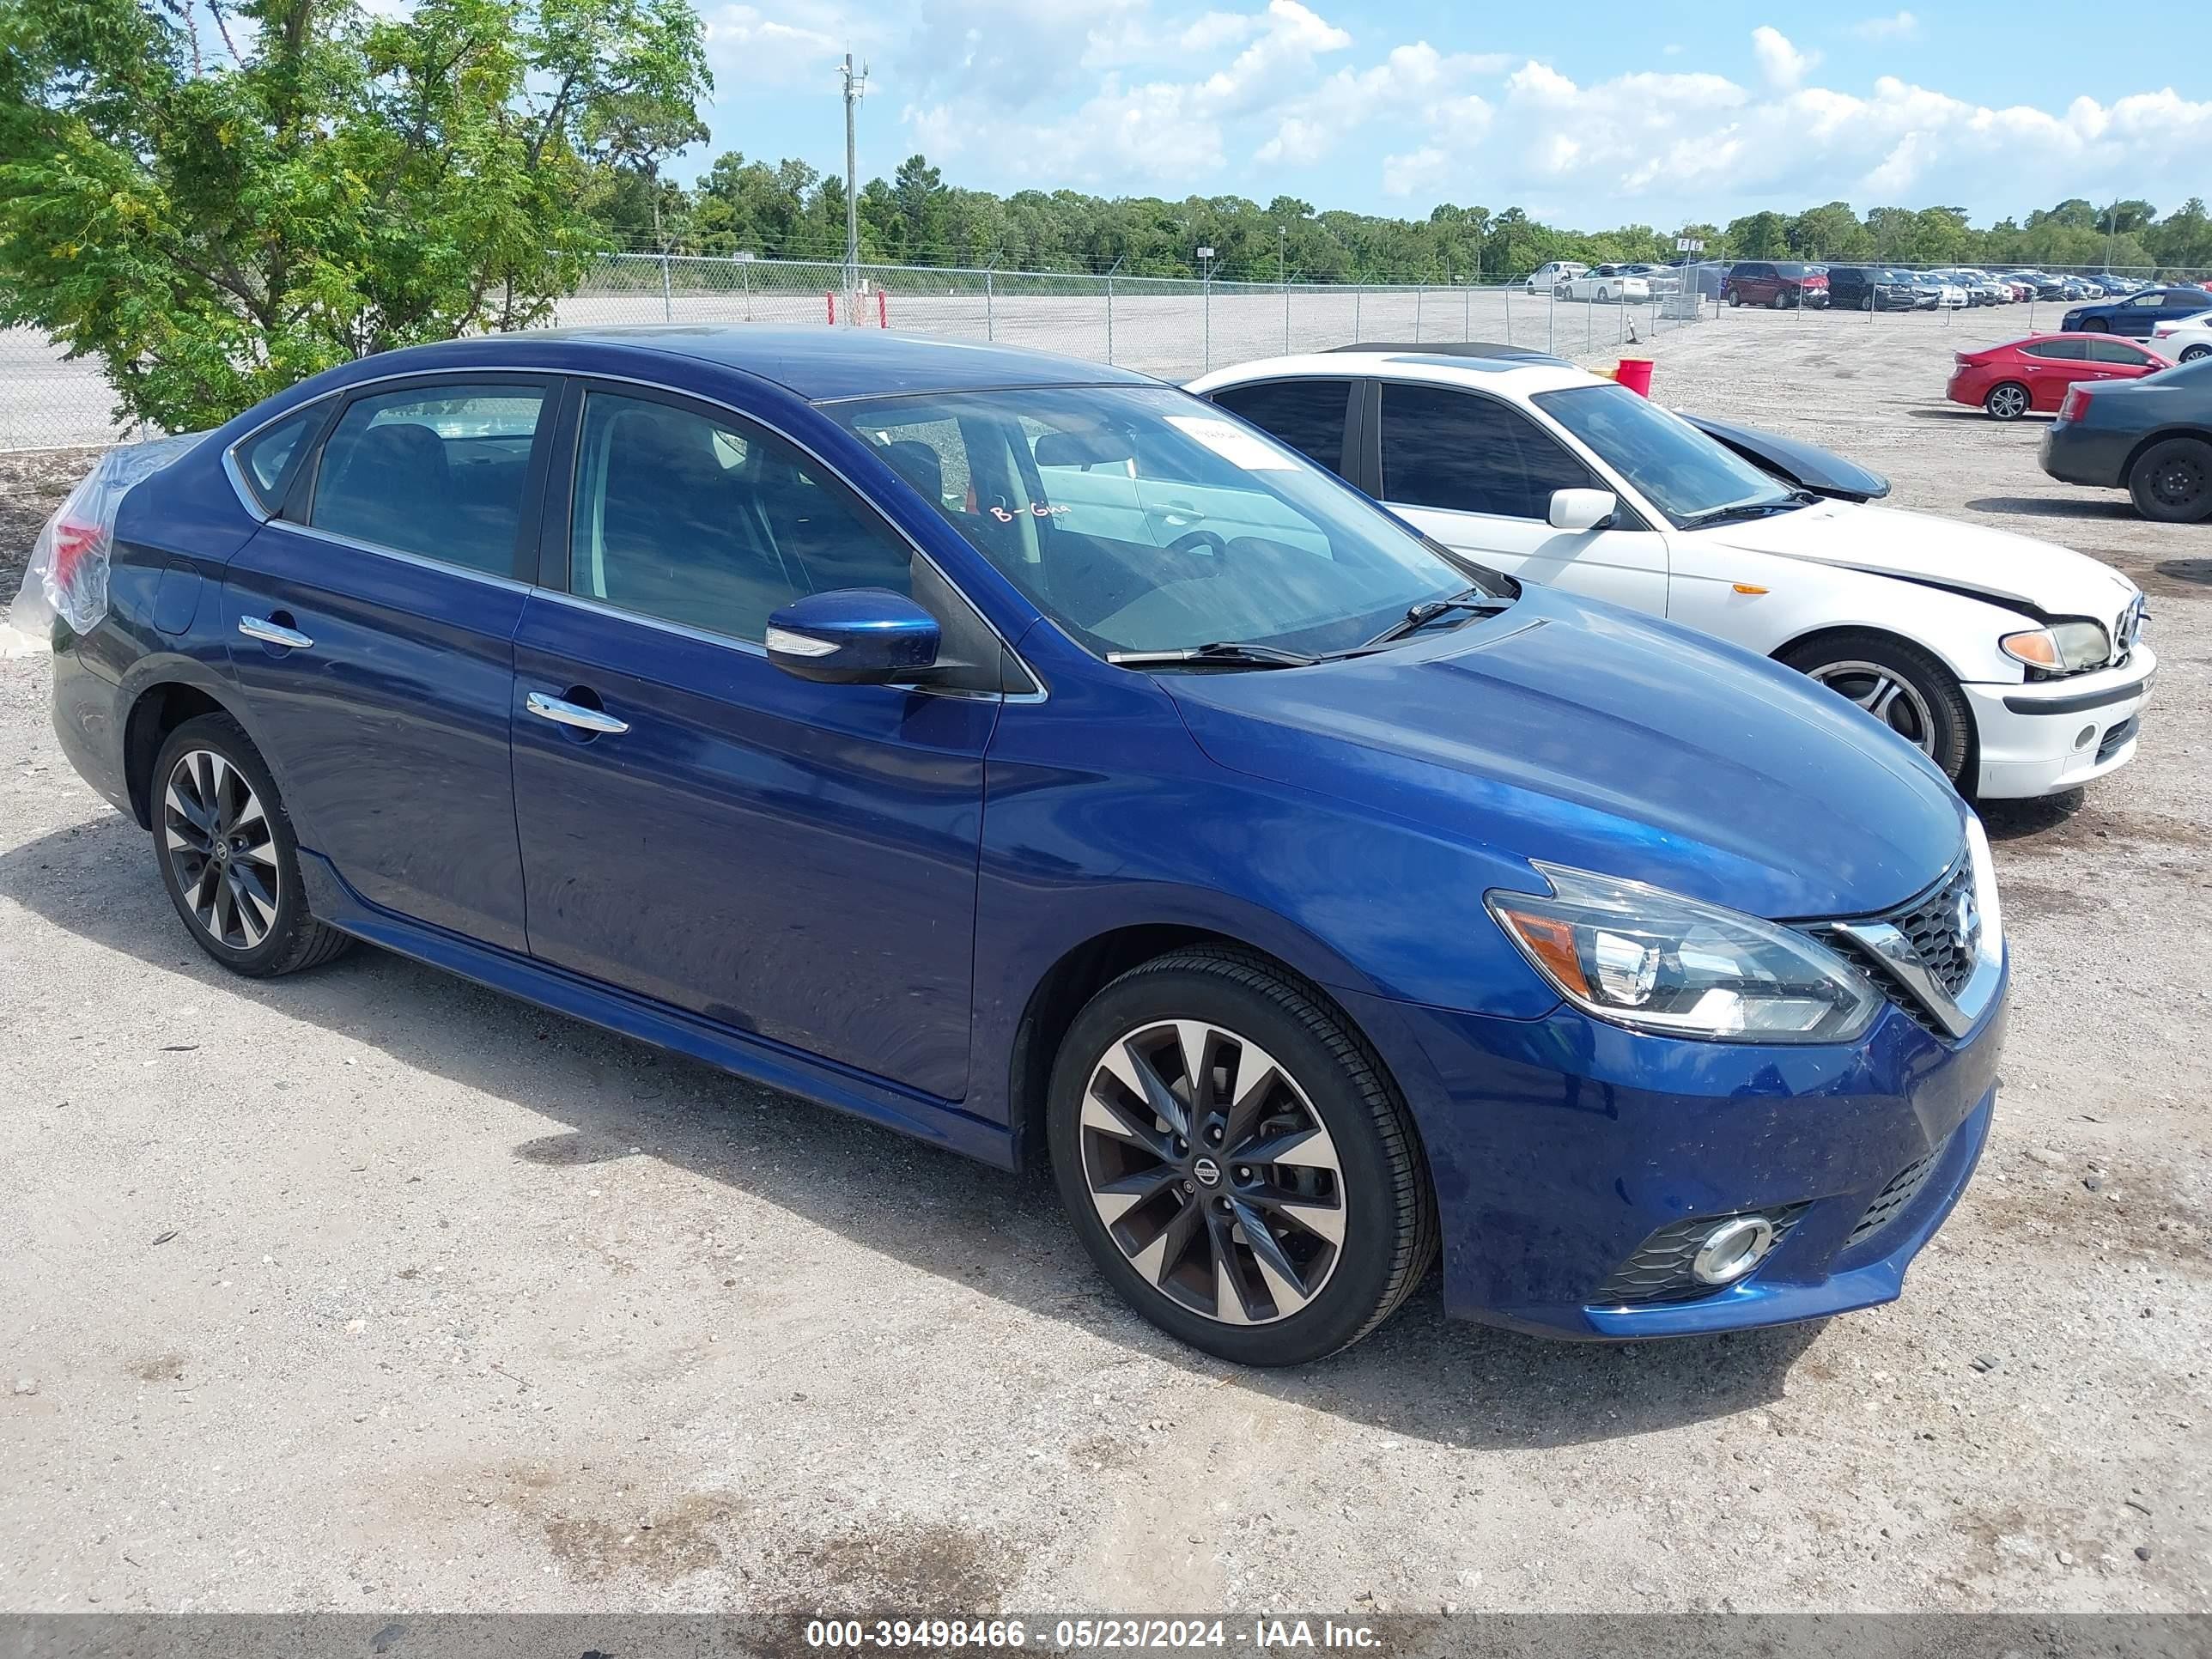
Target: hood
{"points": [[1793, 461], [2041, 578], [1570, 730]]}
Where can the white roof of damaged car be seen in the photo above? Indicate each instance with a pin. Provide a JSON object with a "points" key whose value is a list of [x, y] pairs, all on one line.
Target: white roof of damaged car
{"points": [[1518, 377]]}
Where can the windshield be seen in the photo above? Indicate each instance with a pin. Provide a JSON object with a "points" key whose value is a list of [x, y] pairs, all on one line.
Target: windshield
{"points": [[1684, 474], [1141, 519]]}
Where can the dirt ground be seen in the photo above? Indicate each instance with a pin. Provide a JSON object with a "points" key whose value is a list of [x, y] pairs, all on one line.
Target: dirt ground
{"points": [[368, 1290]]}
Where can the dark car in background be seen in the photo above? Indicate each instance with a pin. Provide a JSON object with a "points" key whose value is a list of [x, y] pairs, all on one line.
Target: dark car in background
{"points": [[1870, 288], [1779, 284], [2138, 314], [2151, 437]]}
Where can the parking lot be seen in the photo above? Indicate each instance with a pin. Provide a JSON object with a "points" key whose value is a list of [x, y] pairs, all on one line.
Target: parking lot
{"points": [[368, 1289]]}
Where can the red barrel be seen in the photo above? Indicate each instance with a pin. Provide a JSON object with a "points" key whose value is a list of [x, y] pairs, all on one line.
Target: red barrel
{"points": [[1635, 374]]}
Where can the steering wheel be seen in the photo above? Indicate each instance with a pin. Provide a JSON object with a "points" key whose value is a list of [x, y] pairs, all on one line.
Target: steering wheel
{"points": [[1194, 541]]}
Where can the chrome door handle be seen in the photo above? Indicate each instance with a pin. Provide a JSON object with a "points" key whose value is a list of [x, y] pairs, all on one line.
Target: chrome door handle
{"points": [[574, 714], [270, 632]]}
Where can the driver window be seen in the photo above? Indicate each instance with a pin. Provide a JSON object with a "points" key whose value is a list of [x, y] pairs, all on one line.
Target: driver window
{"points": [[1469, 453]]}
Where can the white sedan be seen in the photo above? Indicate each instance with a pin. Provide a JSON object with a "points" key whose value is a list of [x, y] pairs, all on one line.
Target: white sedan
{"points": [[1545, 278], [1606, 285], [2015, 665], [2184, 341]]}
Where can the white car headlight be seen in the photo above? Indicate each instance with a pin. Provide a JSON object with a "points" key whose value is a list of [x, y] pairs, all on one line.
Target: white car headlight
{"points": [[2064, 648], [1652, 960]]}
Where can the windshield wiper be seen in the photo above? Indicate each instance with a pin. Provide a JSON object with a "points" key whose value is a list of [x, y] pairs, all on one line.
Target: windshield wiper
{"points": [[1473, 601], [1747, 510], [1229, 654]]}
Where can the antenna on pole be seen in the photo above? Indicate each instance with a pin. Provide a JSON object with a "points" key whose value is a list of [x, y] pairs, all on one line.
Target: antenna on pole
{"points": [[856, 86]]}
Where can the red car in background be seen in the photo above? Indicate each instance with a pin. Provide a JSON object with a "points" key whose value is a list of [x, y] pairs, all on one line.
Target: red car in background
{"points": [[1780, 284], [2010, 379]]}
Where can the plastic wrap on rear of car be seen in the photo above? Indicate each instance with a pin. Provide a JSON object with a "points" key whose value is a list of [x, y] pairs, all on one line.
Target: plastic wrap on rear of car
{"points": [[67, 577]]}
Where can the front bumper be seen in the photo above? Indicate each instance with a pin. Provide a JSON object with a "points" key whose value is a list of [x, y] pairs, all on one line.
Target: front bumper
{"points": [[1558, 1147], [2053, 735]]}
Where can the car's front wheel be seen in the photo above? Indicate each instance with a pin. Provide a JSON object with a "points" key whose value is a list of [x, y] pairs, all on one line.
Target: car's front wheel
{"points": [[2172, 480], [1781, 302], [227, 853], [1236, 1160], [1900, 685], [2007, 400]]}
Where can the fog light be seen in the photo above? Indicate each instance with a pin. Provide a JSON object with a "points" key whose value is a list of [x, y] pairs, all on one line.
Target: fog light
{"points": [[1733, 1249], [2085, 737]]}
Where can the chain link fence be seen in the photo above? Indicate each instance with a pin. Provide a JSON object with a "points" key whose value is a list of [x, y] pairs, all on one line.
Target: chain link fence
{"points": [[1174, 328]]}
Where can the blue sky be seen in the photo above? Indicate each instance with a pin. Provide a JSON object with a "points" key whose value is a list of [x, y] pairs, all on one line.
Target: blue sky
{"points": [[1590, 115]]}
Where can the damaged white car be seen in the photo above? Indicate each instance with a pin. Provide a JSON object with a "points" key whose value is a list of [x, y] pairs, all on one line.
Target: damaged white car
{"points": [[2017, 665]]}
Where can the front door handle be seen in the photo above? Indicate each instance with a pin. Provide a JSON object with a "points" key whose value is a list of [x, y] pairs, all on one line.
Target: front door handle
{"points": [[271, 633], [563, 713]]}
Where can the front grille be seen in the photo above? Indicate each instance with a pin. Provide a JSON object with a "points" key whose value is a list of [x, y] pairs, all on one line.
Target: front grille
{"points": [[2117, 738], [1659, 1271], [1931, 925], [1893, 1200]]}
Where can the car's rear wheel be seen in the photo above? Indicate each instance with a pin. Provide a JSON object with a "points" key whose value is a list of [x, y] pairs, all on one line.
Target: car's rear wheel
{"points": [[1900, 685], [2172, 480], [2007, 400], [2191, 353], [227, 853], [1236, 1162]]}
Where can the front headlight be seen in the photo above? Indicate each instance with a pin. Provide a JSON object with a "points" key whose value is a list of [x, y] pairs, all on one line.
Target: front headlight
{"points": [[2063, 647], [1657, 962]]}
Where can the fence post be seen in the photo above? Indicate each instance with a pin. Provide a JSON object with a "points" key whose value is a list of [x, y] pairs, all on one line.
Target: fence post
{"points": [[746, 266], [1357, 289], [1417, 313], [1286, 319], [1552, 324], [1466, 314], [990, 319], [1110, 318], [1507, 294], [667, 300], [1206, 289]]}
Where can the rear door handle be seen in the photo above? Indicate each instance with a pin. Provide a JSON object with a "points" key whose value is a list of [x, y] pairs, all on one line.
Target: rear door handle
{"points": [[563, 713], [270, 633]]}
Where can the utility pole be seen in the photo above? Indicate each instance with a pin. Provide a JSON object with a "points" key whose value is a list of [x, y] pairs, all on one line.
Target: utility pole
{"points": [[856, 86]]}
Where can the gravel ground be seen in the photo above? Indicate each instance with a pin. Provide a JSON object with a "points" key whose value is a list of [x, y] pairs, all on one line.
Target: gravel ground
{"points": [[368, 1290]]}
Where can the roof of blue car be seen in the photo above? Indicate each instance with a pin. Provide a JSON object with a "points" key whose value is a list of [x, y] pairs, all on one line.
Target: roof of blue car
{"points": [[823, 364]]}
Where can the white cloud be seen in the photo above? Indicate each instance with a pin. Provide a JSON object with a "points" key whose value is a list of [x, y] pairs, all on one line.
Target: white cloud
{"points": [[1415, 78], [1782, 64], [746, 46], [1903, 26]]}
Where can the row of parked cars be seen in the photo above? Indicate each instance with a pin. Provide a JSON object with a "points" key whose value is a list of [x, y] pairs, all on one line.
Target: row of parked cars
{"points": [[1360, 807], [1783, 284]]}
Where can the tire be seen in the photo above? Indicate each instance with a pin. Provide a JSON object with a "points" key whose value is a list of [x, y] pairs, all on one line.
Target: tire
{"points": [[2191, 353], [1735, 298], [1240, 1010], [2095, 325], [1899, 684], [1605, 297], [2172, 480], [243, 904], [2008, 401], [1780, 301]]}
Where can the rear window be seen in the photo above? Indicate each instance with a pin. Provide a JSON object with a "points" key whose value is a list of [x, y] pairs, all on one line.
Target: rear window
{"points": [[1307, 415]]}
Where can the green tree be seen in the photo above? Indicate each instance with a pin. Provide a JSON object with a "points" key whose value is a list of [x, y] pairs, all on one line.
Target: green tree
{"points": [[214, 225], [1764, 235]]}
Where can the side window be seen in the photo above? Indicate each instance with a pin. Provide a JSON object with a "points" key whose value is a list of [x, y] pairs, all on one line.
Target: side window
{"points": [[1307, 415], [437, 472], [701, 520], [2113, 351], [2072, 352], [269, 458], [2187, 301], [1461, 451]]}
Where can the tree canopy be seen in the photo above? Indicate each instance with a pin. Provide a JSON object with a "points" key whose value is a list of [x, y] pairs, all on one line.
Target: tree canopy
{"points": [[217, 217]]}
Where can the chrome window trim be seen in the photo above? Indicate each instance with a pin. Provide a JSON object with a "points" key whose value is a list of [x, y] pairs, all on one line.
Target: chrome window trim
{"points": [[585, 376], [423, 560]]}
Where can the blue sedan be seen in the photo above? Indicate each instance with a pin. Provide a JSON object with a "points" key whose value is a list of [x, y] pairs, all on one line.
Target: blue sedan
{"points": [[2138, 314], [1032, 758]]}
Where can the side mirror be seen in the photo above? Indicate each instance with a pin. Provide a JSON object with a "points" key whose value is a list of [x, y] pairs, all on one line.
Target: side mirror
{"points": [[1582, 509], [852, 636]]}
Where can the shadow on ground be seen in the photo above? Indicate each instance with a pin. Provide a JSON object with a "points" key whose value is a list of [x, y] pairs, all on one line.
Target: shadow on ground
{"points": [[1421, 1375]]}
